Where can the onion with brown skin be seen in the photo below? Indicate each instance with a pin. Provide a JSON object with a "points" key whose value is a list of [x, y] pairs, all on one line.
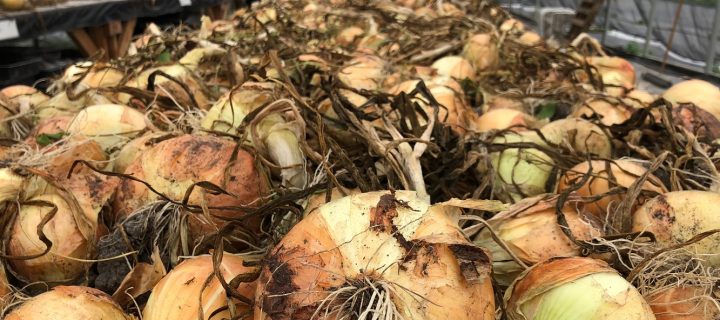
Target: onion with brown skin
{"points": [[454, 66], [697, 121], [364, 72], [676, 217], [501, 119], [70, 302], [173, 165], [531, 231], [385, 247], [192, 287], [110, 125], [482, 52], [605, 176], [617, 73], [703, 94], [684, 302], [579, 134], [574, 288]]}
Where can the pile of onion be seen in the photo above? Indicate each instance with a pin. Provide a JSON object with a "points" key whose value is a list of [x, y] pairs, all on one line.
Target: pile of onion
{"points": [[371, 255], [192, 291], [70, 302]]}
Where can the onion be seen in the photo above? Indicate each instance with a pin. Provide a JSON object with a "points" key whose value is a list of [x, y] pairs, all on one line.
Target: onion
{"points": [[183, 292], [610, 112], [89, 75], [624, 173], [639, 99], [454, 66], [316, 200], [530, 230], [574, 288], [169, 88], [616, 72], [364, 72], [512, 25], [173, 165], [520, 172], [70, 302], [110, 125], [501, 119], [683, 302], [696, 120], [17, 90], [61, 105], [581, 135], [50, 126], [448, 93], [492, 102], [5, 289], [69, 242], [703, 94], [482, 52], [675, 217], [384, 248], [530, 38], [277, 137]]}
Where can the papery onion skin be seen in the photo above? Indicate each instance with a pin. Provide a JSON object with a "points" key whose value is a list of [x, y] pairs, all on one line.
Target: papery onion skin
{"points": [[582, 135], [624, 173], [531, 231], [697, 121], [609, 112], [309, 262], [684, 302], [677, 216], [179, 294], [70, 302], [62, 230], [173, 165], [574, 288]]}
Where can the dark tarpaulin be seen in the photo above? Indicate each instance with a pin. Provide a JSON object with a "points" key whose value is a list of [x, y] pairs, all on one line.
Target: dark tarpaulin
{"points": [[87, 13]]}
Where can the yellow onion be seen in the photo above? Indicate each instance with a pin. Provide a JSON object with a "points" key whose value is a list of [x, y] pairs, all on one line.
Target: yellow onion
{"points": [[531, 231], [501, 119], [364, 72], [482, 52], [454, 66], [54, 126], [348, 35], [574, 288], [639, 99], [520, 172], [169, 88], [683, 302], [110, 125], [512, 25], [70, 302], [184, 291], [22, 98], [316, 200], [277, 137], [61, 105], [133, 149], [624, 173], [69, 243], [5, 289], [530, 38], [702, 93], [675, 217], [616, 72], [173, 165], [610, 112], [580, 135], [388, 248], [696, 120], [89, 75]]}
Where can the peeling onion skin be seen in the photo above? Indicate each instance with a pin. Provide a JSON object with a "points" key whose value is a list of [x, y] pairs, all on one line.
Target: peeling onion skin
{"points": [[70, 302], [609, 113], [531, 231], [173, 165], [675, 217], [352, 239], [574, 288], [589, 137], [177, 296], [624, 171], [683, 302], [702, 93]]}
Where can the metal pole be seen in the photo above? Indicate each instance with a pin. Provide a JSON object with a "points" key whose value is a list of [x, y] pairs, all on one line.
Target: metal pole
{"points": [[607, 21], [650, 26], [537, 12], [672, 32], [710, 62]]}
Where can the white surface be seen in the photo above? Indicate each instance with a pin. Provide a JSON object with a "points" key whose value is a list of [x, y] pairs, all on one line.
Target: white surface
{"points": [[8, 29], [185, 3]]}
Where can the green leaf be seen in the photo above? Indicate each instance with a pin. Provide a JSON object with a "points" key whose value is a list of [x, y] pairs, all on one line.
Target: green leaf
{"points": [[546, 111], [164, 56], [48, 138]]}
